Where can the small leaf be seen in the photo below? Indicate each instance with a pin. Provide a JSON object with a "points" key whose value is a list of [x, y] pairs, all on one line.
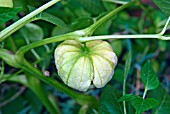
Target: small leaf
{"points": [[163, 98], [164, 5], [109, 101], [6, 3], [7, 13], [32, 32], [149, 77], [126, 97], [142, 105], [127, 64], [49, 18]]}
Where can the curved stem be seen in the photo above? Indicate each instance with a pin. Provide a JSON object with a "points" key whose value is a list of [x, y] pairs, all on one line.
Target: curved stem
{"points": [[11, 29], [26, 48], [79, 98], [94, 26]]}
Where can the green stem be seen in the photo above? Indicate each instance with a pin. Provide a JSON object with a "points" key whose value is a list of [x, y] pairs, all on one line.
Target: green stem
{"points": [[8, 57], [116, 1], [144, 94], [35, 86], [11, 29], [26, 48], [165, 27], [73, 35], [79, 98], [124, 92], [91, 29], [106, 37]]}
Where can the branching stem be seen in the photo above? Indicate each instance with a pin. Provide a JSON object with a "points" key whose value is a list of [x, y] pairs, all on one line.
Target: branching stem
{"points": [[14, 27]]}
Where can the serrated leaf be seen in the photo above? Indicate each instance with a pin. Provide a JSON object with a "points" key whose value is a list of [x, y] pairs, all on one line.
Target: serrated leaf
{"points": [[109, 101], [164, 5], [163, 98], [127, 64], [149, 77], [7, 13], [6, 3], [49, 18], [142, 105]]}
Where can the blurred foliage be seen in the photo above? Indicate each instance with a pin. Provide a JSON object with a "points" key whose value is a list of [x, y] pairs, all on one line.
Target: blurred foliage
{"points": [[73, 15]]}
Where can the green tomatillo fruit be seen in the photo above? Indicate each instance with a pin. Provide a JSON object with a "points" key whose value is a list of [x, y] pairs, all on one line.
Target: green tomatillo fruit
{"points": [[80, 65]]}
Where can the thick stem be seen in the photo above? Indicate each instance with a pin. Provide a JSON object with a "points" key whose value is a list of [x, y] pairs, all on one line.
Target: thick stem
{"points": [[14, 27], [35, 85], [79, 98], [94, 26], [26, 48]]}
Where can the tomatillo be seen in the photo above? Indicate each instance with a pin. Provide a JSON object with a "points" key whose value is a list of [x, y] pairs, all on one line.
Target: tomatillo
{"points": [[82, 64]]}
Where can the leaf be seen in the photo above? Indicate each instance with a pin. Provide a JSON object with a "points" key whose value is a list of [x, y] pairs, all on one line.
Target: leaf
{"points": [[59, 31], [142, 105], [6, 3], [109, 101], [126, 97], [49, 18], [163, 98], [32, 32], [117, 47], [7, 13], [149, 77], [127, 64], [164, 5], [82, 23], [93, 6]]}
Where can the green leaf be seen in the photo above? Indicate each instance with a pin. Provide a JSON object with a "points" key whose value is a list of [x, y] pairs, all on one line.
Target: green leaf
{"points": [[59, 31], [82, 23], [127, 64], [117, 47], [126, 97], [6, 3], [49, 18], [32, 32], [142, 105], [7, 13], [164, 5], [149, 77], [93, 6], [109, 101], [163, 98]]}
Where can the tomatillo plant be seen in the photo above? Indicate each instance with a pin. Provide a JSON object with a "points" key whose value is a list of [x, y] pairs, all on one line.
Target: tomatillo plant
{"points": [[83, 60]]}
